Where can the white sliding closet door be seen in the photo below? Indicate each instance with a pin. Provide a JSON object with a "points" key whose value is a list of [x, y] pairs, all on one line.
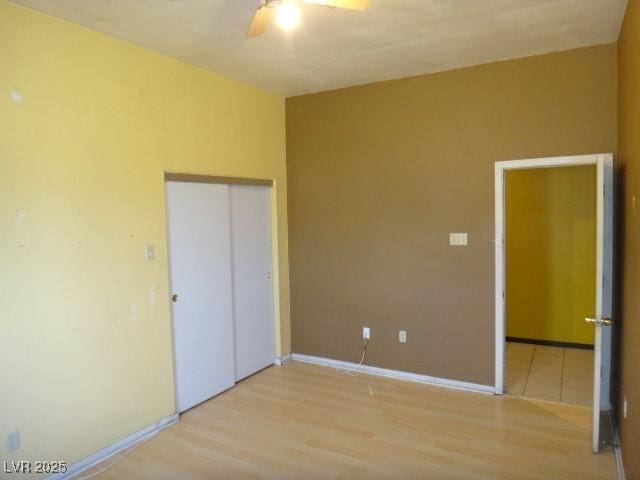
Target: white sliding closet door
{"points": [[200, 267], [252, 278]]}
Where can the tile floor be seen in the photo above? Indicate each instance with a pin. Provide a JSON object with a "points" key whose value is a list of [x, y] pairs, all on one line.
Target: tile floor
{"points": [[549, 373]]}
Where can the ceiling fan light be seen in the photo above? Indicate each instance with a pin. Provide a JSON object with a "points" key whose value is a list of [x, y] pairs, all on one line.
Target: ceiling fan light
{"points": [[288, 15]]}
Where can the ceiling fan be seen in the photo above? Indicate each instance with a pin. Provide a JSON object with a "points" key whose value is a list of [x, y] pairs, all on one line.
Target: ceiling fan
{"points": [[288, 14]]}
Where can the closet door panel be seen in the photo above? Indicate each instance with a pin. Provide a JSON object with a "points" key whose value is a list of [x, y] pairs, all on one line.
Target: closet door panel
{"points": [[201, 281], [252, 278]]}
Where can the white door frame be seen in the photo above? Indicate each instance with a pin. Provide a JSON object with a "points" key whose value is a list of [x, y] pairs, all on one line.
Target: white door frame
{"points": [[500, 170]]}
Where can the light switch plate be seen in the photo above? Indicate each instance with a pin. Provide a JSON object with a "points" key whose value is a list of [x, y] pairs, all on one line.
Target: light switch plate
{"points": [[149, 253], [458, 239], [402, 336]]}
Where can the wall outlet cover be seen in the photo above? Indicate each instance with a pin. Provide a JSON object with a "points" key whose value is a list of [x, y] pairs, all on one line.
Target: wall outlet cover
{"points": [[402, 336], [366, 333]]}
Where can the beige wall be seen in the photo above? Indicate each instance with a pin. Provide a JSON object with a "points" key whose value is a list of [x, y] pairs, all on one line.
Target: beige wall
{"points": [[629, 160], [380, 174], [85, 322], [550, 230]]}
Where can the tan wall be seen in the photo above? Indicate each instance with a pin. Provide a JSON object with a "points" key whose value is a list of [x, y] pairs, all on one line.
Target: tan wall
{"points": [[629, 160], [380, 174], [550, 218], [85, 321]]}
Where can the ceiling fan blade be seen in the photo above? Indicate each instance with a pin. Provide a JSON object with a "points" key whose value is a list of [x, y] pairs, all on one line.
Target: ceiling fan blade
{"points": [[260, 21], [349, 4]]}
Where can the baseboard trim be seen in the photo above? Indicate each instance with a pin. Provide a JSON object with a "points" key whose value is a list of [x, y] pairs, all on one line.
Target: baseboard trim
{"points": [[397, 374], [550, 343], [279, 361], [617, 450], [115, 448]]}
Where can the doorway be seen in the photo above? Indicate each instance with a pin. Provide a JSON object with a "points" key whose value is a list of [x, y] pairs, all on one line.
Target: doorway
{"points": [[551, 259], [550, 244]]}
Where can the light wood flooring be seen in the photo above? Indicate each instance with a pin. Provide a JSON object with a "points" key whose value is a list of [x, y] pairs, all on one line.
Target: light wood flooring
{"points": [[550, 373], [303, 421]]}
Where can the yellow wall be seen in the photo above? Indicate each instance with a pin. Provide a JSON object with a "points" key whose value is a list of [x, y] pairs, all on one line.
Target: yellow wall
{"points": [[84, 320], [550, 253]]}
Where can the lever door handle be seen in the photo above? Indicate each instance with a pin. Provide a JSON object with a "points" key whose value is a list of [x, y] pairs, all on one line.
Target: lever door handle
{"points": [[601, 322], [174, 297]]}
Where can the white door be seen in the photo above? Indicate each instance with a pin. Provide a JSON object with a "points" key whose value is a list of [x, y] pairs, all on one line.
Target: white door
{"points": [[604, 299], [200, 268], [252, 278]]}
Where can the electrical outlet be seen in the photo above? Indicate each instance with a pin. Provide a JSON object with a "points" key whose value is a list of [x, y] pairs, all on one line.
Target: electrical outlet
{"points": [[13, 441], [402, 336], [624, 408], [366, 333]]}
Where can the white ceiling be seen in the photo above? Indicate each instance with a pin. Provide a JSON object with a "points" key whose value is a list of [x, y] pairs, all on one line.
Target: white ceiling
{"points": [[336, 48]]}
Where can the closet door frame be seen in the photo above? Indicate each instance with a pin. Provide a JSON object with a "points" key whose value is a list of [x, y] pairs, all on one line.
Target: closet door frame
{"points": [[215, 179]]}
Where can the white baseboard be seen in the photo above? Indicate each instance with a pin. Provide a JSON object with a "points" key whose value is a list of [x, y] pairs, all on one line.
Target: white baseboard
{"points": [[279, 361], [115, 448], [412, 377]]}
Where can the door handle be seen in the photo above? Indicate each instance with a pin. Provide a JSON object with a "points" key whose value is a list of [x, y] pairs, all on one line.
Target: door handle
{"points": [[600, 322], [174, 297]]}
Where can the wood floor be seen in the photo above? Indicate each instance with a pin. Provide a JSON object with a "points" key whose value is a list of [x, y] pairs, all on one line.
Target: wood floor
{"points": [[308, 422]]}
